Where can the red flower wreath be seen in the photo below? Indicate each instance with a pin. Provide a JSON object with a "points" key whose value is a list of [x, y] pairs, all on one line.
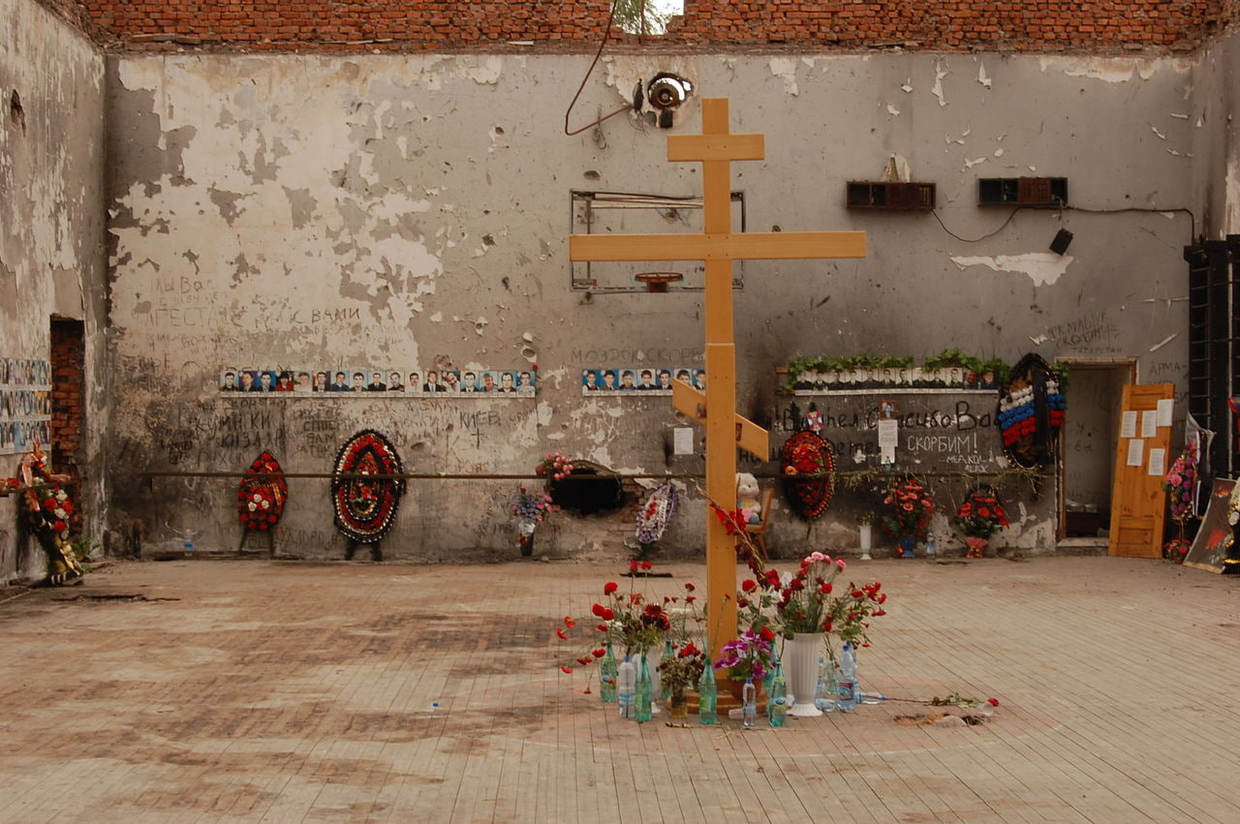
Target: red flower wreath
{"points": [[806, 453], [260, 500]]}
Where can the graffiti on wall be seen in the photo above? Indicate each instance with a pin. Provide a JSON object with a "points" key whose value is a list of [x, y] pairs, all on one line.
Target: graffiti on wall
{"points": [[937, 431]]}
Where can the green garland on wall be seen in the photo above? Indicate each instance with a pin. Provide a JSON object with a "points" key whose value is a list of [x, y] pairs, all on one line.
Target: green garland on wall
{"points": [[947, 359]]}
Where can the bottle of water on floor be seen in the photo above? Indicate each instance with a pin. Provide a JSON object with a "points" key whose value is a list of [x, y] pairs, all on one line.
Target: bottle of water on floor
{"points": [[778, 709], [749, 703], [827, 690], [848, 679], [626, 684], [708, 695], [645, 690], [608, 672]]}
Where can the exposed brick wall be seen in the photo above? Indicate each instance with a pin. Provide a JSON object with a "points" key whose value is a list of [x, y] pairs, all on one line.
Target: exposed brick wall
{"points": [[1104, 26], [68, 403], [74, 13]]}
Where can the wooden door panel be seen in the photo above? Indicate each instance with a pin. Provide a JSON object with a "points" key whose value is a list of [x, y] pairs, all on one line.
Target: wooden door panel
{"points": [[1138, 503]]}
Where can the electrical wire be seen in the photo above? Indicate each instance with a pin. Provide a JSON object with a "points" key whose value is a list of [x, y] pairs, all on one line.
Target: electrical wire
{"points": [[1192, 219], [1000, 228], [606, 36]]}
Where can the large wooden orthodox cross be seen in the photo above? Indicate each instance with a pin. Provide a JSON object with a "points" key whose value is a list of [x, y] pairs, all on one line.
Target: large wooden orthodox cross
{"points": [[719, 248]]}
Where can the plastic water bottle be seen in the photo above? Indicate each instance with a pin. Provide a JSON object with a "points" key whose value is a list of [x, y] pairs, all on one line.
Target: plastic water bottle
{"points": [[777, 706], [848, 679], [708, 695], [607, 674], [626, 684], [827, 689], [931, 550], [749, 702], [189, 549], [644, 688]]}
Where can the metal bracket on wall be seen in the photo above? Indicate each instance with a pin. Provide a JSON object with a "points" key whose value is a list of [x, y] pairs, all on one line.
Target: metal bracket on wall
{"points": [[628, 212]]}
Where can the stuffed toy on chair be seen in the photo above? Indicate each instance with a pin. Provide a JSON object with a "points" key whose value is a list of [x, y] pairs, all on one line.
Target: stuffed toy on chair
{"points": [[747, 498]]}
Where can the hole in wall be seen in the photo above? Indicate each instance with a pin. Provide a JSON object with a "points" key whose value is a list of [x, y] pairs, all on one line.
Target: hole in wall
{"points": [[589, 490], [17, 115]]}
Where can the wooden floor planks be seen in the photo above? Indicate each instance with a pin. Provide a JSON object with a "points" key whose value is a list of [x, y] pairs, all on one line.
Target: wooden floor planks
{"points": [[280, 692]]}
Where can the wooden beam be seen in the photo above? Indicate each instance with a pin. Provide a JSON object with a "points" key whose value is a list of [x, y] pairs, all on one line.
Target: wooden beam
{"points": [[691, 147], [749, 436], [731, 246]]}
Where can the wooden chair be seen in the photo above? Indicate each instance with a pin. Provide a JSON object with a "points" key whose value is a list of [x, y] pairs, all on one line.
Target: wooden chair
{"points": [[757, 532]]}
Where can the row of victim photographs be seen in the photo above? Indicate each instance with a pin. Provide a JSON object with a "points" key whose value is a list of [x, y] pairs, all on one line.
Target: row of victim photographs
{"points": [[451, 381], [640, 379], [447, 381], [24, 403], [25, 372], [19, 436]]}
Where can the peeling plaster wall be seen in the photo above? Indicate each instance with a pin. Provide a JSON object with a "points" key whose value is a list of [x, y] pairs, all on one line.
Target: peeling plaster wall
{"points": [[1218, 173], [51, 224], [373, 210]]}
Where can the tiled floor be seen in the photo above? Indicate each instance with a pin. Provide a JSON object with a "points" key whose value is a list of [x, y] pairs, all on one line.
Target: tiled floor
{"points": [[285, 692]]}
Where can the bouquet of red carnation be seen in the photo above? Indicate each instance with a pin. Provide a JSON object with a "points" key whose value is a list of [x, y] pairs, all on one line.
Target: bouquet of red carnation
{"points": [[634, 622], [683, 669], [849, 613], [908, 507], [981, 515]]}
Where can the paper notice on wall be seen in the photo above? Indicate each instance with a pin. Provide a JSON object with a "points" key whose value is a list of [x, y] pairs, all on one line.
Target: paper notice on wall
{"points": [[887, 454], [682, 440], [888, 434], [1166, 407], [1158, 460], [1149, 423], [1136, 451], [1128, 425]]}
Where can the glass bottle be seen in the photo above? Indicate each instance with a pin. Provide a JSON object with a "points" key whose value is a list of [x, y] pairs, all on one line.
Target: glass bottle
{"points": [[828, 689], [749, 702], [608, 671], [708, 695], [777, 704], [644, 687]]}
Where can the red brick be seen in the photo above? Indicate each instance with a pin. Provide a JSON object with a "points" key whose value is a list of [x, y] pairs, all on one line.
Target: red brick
{"points": [[434, 24]]}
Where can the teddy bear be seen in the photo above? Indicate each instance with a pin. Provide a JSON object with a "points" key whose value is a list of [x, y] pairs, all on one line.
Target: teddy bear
{"points": [[747, 498]]}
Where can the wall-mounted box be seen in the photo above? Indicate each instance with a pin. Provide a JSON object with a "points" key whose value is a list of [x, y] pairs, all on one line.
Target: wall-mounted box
{"points": [[1041, 192], [903, 197]]}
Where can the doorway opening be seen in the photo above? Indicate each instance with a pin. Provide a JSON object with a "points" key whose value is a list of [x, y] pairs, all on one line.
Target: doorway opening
{"points": [[68, 424], [1093, 396]]}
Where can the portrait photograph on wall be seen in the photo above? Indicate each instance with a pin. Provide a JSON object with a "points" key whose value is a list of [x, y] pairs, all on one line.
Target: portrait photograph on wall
{"points": [[393, 381], [652, 380], [25, 404]]}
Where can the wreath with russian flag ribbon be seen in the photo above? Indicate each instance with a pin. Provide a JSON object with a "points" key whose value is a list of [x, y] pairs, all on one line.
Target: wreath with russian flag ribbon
{"points": [[1031, 412]]}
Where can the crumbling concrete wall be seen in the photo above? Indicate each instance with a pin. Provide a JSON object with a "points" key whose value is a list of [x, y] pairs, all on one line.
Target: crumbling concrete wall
{"points": [[316, 212], [1217, 161], [52, 257]]}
